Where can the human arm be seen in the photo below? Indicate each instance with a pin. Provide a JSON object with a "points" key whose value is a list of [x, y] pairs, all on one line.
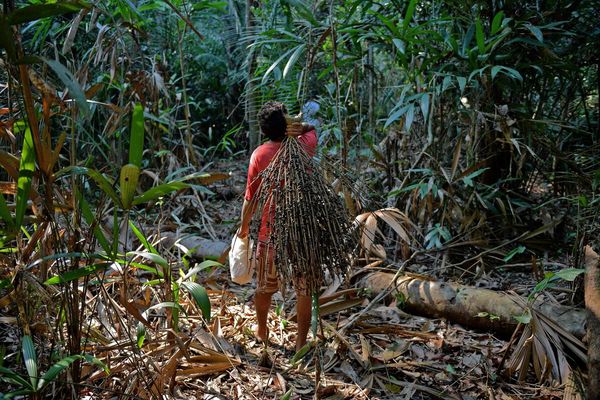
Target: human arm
{"points": [[248, 209]]}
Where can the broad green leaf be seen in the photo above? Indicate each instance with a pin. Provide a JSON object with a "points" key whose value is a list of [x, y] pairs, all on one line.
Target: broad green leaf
{"points": [[462, 83], [395, 115], [287, 395], [78, 273], [301, 353], [568, 274], [200, 296], [410, 10], [159, 191], [155, 258], [400, 45], [26, 168], [136, 141], [479, 36], [38, 11], [30, 360], [71, 83], [293, 59], [56, 369], [497, 22]]}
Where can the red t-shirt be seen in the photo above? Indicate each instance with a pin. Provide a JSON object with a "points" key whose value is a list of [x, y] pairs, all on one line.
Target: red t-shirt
{"points": [[260, 159]]}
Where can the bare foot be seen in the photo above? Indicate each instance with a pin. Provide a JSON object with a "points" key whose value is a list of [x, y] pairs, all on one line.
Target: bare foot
{"points": [[261, 334]]}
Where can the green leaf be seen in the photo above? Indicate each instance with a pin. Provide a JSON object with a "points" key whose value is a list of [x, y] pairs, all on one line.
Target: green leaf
{"points": [[497, 22], [568, 274], [200, 296], [514, 252], [288, 394], [410, 10], [30, 360], [159, 191], [462, 83], [38, 11], [5, 213], [203, 265], [410, 116], [140, 334], [479, 36], [98, 178], [71, 83], [425, 105], [301, 353], [142, 238], [536, 32], [155, 258], [525, 318], [90, 219], [56, 369], [26, 168], [136, 141], [78, 273], [292, 60], [14, 378], [274, 65], [400, 45]]}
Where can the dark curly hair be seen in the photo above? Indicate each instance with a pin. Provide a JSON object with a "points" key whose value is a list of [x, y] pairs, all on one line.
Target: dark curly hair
{"points": [[271, 119]]}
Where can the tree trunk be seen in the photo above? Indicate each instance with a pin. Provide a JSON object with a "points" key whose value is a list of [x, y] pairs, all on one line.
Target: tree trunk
{"points": [[476, 308], [251, 109], [592, 304]]}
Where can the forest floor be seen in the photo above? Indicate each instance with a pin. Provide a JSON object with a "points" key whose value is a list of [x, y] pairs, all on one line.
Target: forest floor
{"points": [[388, 354]]}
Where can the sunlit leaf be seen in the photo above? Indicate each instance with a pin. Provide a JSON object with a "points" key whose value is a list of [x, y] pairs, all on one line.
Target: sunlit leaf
{"points": [[200, 297], [30, 359], [77, 273], [158, 191], [26, 168], [136, 141]]}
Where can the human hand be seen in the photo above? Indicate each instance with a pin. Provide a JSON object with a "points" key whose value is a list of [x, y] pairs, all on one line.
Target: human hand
{"points": [[294, 129]]}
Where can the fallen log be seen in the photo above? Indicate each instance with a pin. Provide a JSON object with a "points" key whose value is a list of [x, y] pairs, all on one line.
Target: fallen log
{"points": [[475, 308]]}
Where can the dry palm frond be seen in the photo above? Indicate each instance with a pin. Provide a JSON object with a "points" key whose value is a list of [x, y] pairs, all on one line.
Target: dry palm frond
{"points": [[395, 218], [545, 345], [311, 231]]}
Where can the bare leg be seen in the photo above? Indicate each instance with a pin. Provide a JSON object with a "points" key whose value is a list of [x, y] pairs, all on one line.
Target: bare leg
{"points": [[303, 312], [262, 302]]}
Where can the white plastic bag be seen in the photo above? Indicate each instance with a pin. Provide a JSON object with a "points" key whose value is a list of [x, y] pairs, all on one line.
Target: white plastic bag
{"points": [[241, 266]]}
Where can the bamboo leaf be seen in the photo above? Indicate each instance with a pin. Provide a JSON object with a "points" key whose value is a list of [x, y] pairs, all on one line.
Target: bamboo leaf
{"points": [[497, 22], [56, 369], [78, 273], [26, 168], [425, 105], [30, 360], [100, 180], [537, 32], [479, 37], [159, 191], [155, 258], [90, 219], [203, 265], [292, 60], [200, 296], [71, 83], [410, 10], [142, 238], [136, 141], [38, 11]]}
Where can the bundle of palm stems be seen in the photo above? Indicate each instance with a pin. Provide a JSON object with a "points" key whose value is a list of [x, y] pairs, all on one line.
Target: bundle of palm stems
{"points": [[310, 229]]}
